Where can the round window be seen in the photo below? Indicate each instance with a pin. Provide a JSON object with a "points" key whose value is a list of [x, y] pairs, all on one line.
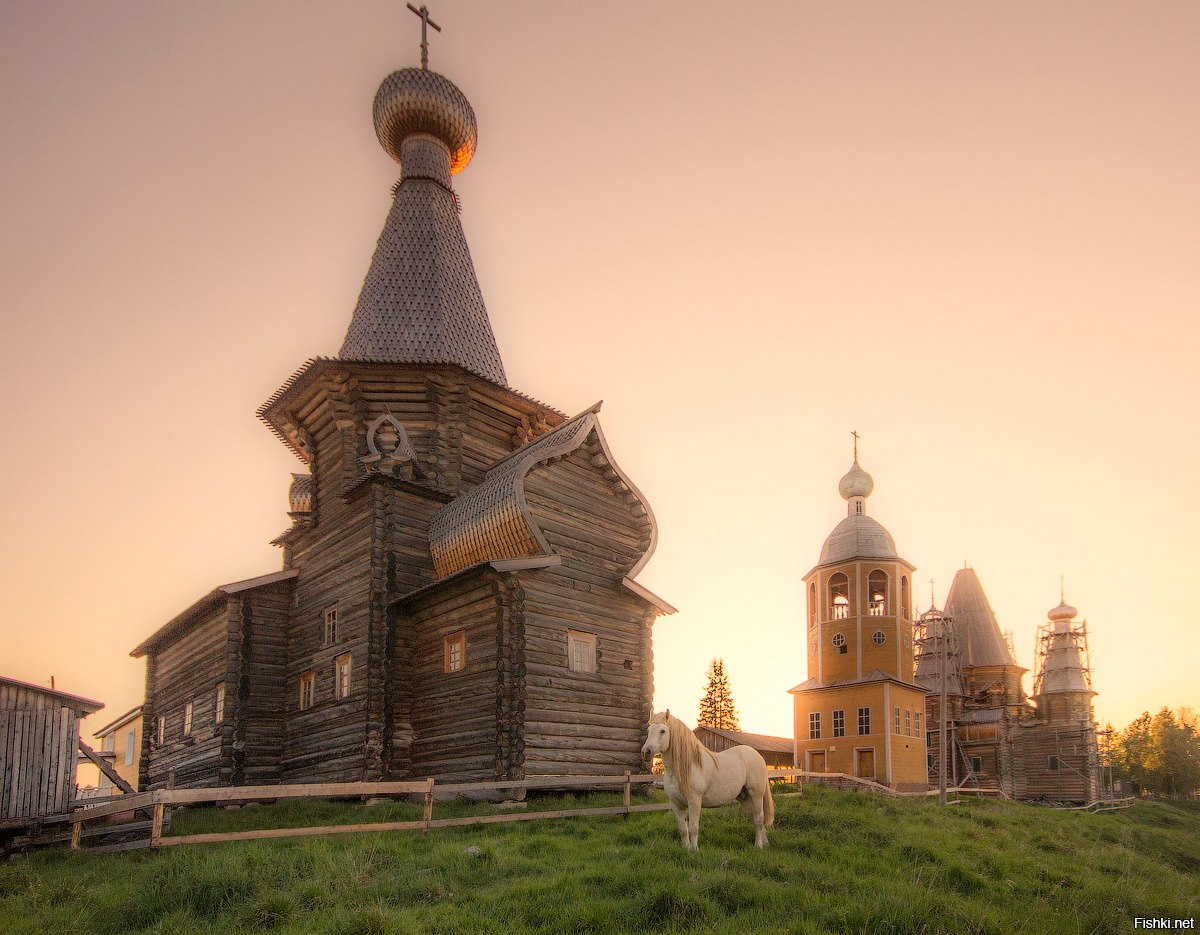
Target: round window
{"points": [[878, 638], [839, 639]]}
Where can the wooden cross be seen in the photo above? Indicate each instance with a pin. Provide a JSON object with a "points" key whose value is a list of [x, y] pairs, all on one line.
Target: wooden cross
{"points": [[423, 12], [856, 437]]}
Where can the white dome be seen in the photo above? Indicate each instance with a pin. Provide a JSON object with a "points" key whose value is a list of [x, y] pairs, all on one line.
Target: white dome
{"points": [[855, 483], [858, 536]]}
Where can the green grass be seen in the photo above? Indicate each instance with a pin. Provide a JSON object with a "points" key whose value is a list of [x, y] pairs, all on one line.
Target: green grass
{"points": [[838, 862]]}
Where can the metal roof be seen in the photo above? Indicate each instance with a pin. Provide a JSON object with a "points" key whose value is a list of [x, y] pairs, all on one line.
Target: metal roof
{"points": [[857, 536]]}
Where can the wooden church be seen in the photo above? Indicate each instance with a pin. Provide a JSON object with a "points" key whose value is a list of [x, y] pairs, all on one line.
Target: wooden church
{"points": [[457, 597]]}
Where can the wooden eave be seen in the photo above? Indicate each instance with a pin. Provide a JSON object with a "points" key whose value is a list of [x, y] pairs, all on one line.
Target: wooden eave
{"points": [[501, 566], [664, 609], [859, 558], [75, 702], [303, 379], [182, 622]]}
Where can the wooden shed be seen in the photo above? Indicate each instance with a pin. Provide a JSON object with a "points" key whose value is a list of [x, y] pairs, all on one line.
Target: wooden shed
{"points": [[39, 737], [777, 751]]}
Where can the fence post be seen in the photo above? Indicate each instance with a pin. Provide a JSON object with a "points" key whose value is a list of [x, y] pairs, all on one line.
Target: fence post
{"points": [[76, 833], [156, 826], [626, 795], [428, 817]]}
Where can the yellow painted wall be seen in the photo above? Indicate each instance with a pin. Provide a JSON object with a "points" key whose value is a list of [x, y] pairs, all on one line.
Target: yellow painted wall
{"points": [[120, 745], [905, 750]]}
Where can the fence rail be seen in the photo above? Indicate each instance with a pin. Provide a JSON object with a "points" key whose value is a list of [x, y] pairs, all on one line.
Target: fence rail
{"points": [[158, 803]]}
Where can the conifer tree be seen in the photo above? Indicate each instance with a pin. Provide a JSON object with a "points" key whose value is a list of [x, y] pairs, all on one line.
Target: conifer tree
{"points": [[716, 706]]}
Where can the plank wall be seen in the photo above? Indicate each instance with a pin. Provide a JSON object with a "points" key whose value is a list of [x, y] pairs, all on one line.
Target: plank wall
{"points": [[38, 739]]}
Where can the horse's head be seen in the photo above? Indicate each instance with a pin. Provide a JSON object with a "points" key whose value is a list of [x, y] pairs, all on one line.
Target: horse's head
{"points": [[658, 734]]}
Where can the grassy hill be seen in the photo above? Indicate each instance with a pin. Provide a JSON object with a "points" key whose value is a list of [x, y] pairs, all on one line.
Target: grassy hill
{"points": [[838, 862]]}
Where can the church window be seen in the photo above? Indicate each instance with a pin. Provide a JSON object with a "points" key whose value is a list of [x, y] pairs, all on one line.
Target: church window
{"points": [[581, 651], [839, 596], [896, 720], [839, 640], [454, 653], [977, 764], [162, 729], [308, 685], [878, 637], [129, 748], [1053, 762], [877, 592], [219, 704], [917, 724], [907, 723], [341, 676], [839, 723], [331, 626], [864, 721], [814, 725], [929, 761], [904, 595], [187, 718], [812, 605]]}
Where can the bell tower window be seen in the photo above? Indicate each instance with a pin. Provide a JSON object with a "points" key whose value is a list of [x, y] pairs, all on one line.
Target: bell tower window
{"points": [[877, 587], [812, 605], [904, 595], [839, 596]]}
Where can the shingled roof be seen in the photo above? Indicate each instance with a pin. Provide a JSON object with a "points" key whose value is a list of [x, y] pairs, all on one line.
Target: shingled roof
{"points": [[979, 639]]}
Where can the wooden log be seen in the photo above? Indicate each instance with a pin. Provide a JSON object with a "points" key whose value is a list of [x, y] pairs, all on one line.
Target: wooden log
{"points": [[105, 768]]}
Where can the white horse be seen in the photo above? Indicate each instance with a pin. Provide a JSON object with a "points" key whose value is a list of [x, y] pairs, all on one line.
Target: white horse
{"points": [[696, 778]]}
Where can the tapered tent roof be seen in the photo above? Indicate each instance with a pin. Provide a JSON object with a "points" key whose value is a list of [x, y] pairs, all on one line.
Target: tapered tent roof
{"points": [[420, 301], [979, 638]]}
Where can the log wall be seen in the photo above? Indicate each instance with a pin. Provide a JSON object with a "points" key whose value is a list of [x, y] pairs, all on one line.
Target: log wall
{"points": [[584, 722], [254, 727], [453, 715], [187, 669]]}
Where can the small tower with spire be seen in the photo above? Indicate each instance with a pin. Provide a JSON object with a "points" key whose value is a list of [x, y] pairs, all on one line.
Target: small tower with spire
{"points": [[860, 710]]}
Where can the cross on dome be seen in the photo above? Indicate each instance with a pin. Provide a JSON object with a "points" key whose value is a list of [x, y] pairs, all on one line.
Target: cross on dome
{"points": [[423, 12]]}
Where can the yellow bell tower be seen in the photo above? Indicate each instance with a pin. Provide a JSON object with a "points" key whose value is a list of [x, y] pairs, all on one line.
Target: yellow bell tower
{"points": [[860, 712]]}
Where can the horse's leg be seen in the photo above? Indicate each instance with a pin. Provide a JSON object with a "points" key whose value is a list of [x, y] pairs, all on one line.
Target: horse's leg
{"points": [[681, 820], [752, 808], [694, 822]]}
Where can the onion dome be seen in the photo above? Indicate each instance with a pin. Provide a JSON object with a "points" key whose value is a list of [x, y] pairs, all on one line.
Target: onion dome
{"points": [[855, 483], [1063, 611], [416, 100], [420, 301], [858, 536]]}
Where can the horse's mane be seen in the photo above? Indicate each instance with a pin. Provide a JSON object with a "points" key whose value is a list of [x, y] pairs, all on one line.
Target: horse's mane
{"points": [[685, 750]]}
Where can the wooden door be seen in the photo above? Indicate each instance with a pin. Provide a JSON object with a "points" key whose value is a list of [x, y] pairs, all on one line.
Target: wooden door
{"points": [[816, 761], [864, 764]]}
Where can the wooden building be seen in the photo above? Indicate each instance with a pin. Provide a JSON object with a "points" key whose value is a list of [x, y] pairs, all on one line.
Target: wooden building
{"points": [[457, 597], [777, 751], [1044, 750], [39, 742], [860, 711]]}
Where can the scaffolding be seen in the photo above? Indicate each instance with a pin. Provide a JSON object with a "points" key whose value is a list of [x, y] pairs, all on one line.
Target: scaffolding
{"points": [[939, 669]]}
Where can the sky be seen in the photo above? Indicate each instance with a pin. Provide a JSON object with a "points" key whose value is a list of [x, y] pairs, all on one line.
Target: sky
{"points": [[965, 230]]}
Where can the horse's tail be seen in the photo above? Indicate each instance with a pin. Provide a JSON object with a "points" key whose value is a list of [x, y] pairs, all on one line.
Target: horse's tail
{"points": [[768, 806]]}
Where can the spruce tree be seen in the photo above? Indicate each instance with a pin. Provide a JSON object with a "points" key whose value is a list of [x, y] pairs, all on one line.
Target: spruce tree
{"points": [[716, 705]]}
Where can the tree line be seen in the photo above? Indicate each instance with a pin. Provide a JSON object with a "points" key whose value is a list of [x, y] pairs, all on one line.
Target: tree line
{"points": [[1158, 753]]}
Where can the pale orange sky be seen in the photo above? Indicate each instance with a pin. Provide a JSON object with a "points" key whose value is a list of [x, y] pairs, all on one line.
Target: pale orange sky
{"points": [[968, 231]]}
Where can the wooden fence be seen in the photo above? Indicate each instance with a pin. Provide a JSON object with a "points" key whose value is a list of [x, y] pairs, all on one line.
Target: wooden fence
{"points": [[158, 803]]}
